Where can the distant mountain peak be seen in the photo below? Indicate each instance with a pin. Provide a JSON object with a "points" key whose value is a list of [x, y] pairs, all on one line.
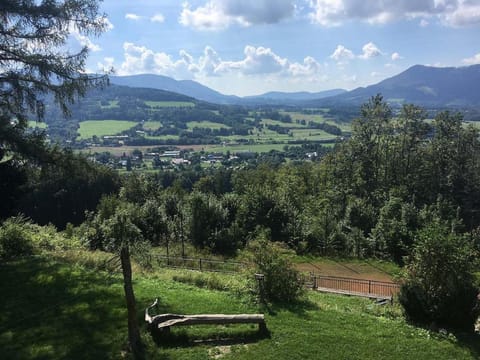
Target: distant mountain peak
{"points": [[424, 85]]}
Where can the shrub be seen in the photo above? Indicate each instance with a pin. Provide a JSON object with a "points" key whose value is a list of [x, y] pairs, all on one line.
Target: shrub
{"points": [[440, 286], [282, 283], [15, 238]]}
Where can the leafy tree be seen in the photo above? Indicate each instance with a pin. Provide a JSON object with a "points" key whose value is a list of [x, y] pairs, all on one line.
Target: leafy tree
{"points": [[35, 65], [282, 282], [440, 286], [121, 233], [15, 238], [61, 192]]}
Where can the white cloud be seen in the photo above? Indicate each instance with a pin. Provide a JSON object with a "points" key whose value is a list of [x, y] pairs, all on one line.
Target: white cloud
{"points": [[157, 18], [219, 14], [139, 59], [342, 54], [209, 62], [257, 62], [475, 59], [468, 13], [450, 12], [424, 23], [107, 65], [370, 51], [85, 41], [396, 56], [131, 16], [309, 67]]}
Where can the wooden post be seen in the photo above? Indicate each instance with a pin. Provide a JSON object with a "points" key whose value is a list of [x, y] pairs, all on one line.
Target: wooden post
{"points": [[200, 264]]}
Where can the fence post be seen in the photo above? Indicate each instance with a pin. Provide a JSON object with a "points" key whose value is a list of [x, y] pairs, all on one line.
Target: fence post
{"points": [[200, 264], [369, 286]]}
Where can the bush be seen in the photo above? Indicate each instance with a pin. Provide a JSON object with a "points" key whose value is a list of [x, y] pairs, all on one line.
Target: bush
{"points": [[282, 283], [15, 238], [440, 287]]}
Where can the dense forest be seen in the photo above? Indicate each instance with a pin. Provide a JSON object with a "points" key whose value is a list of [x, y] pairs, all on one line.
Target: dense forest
{"points": [[369, 197]]}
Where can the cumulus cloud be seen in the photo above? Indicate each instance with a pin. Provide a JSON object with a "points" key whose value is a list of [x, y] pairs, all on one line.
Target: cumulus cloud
{"points": [[139, 59], [342, 54], [130, 16], [450, 12], [370, 51], [475, 59], [157, 18], [257, 62], [396, 56], [219, 14], [309, 67]]}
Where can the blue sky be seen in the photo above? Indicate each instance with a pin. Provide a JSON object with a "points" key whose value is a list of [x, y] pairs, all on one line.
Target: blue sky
{"points": [[247, 47]]}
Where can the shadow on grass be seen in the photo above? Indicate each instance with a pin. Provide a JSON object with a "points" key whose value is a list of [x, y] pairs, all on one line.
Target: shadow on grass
{"points": [[471, 342], [51, 310], [300, 308], [222, 337]]}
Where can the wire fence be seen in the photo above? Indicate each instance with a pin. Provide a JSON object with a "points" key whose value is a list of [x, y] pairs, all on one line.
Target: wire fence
{"points": [[312, 280], [199, 264]]}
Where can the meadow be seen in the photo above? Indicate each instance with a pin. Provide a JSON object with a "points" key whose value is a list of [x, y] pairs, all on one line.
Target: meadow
{"points": [[37, 124], [101, 128], [71, 306], [163, 104], [206, 125]]}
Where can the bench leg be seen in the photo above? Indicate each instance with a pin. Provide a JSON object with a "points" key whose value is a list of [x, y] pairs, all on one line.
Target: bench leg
{"points": [[262, 327]]}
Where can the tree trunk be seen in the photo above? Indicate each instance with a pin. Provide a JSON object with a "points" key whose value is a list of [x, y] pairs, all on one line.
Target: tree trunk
{"points": [[134, 338]]}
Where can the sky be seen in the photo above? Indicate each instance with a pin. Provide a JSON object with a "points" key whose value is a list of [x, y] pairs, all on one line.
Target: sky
{"points": [[248, 47]]}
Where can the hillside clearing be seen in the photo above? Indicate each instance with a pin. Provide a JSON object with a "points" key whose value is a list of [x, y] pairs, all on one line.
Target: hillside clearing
{"points": [[52, 309], [101, 128]]}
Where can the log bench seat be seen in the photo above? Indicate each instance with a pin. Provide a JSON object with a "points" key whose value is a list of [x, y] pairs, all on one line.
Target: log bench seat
{"points": [[163, 322]]}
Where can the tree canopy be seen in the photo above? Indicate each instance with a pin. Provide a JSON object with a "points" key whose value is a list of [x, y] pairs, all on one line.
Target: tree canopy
{"points": [[34, 64]]}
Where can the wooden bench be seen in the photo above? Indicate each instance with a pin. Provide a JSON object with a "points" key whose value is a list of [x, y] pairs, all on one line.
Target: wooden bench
{"points": [[163, 322]]}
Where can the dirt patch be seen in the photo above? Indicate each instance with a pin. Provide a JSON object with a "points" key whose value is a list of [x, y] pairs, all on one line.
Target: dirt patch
{"points": [[348, 270], [220, 351]]}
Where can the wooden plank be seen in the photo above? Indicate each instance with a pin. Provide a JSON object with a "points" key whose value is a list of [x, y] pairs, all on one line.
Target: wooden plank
{"points": [[165, 321], [206, 319]]}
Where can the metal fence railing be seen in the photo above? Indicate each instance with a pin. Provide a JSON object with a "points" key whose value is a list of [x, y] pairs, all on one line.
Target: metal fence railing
{"points": [[370, 287], [312, 280]]}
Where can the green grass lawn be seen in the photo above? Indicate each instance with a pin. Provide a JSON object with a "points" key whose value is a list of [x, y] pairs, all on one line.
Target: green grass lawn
{"points": [[258, 148], [162, 137], [206, 125], [152, 125], [36, 124], [55, 309], [162, 104], [282, 124], [111, 105], [311, 134], [103, 127], [344, 126]]}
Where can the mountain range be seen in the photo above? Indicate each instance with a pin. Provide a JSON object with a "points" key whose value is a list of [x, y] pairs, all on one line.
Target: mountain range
{"points": [[422, 85]]}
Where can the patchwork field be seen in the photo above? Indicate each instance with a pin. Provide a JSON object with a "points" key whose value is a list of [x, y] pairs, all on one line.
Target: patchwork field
{"points": [[100, 128], [206, 125], [162, 104]]}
